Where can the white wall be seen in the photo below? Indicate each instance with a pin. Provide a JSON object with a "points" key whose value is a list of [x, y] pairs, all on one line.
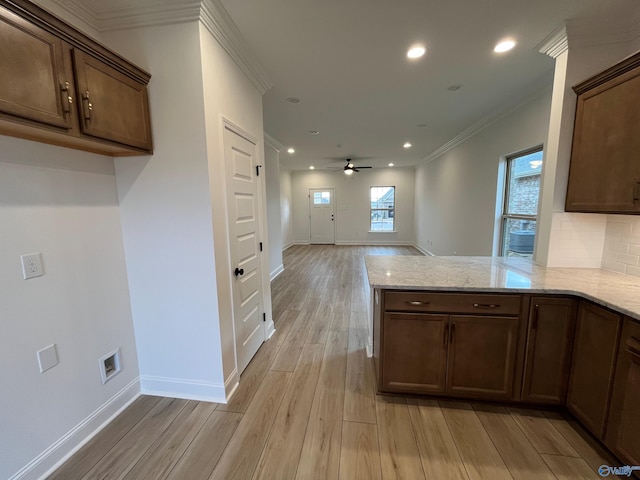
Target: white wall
{"points": [[455, 197], [274, 222], [166, 221], [174, 211], [228, 94], [62, 203], [353, 204], [286, 209]]}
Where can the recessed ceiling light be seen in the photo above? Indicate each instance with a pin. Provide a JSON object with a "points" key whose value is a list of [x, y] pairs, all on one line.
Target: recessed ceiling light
{"points": [[312, 167], [291, 150], [407, 145], [455, 87], [293, 99], [313, 132], [416, 51], [504, 46], [391, 164]]}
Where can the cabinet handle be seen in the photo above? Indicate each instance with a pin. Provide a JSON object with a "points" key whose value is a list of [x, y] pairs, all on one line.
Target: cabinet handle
{"points": [[633, 349], [453, 332], [486, 305], [445, 336], [636, 193], [87, 106], [534, 322], [416, 302], [67, 100]]}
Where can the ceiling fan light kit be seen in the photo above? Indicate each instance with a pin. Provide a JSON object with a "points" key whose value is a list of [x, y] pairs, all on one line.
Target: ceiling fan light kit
{"points": [[349, 168]]}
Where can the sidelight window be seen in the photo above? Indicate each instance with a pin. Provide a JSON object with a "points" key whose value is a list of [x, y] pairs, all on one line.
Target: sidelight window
{"points": [[383, 205]]}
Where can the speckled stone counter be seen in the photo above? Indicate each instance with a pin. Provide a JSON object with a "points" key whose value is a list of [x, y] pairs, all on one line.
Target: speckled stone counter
{"points": [[504, 274]]}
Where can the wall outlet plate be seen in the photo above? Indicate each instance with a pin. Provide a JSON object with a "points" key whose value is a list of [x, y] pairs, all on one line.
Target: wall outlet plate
{"points": [[31, 265]]}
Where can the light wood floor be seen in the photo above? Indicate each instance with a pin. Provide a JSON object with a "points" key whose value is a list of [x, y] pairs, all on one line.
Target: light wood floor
{"points": [[306, 408]]}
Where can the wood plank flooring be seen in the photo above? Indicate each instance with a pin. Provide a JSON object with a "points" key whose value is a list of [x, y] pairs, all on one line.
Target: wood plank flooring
{"points": [[306, 408]]}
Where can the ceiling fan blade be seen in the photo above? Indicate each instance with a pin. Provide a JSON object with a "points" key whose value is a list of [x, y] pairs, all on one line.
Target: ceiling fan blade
{"points": [[355, 169], [365, 167]]}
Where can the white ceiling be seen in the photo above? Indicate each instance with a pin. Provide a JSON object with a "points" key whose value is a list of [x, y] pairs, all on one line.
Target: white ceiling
{"points": [[345, 60]]}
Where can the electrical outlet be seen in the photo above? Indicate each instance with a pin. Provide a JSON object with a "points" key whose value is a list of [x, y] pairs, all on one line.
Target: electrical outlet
{"points": [[31, 265]]}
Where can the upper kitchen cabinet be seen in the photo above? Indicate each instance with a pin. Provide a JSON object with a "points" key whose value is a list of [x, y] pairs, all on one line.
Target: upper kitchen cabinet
{"points": [[34, 83], [604, 175], [61, 87], [112, 106]]}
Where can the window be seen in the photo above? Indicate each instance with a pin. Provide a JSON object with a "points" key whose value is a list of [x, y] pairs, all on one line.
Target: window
{"points": [[321, 198], [383, 206], [520, 210]]}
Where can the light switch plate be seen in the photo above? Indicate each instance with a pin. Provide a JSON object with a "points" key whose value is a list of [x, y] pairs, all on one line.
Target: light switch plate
{"points": [[31, 265], [47, 358]]}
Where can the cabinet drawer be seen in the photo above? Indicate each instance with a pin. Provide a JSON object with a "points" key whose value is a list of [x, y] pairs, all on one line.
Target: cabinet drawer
{"points": [[452, 303]]}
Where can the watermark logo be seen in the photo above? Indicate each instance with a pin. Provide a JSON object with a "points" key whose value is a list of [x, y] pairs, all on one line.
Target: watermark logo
{"points": [[625, 470]]}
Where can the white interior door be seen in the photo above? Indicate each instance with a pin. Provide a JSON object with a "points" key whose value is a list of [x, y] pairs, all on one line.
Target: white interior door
{"points": [[244, 227], [322, 215]]}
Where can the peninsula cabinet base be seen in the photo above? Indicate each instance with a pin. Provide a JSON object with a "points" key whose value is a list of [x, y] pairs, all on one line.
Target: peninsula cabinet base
{"points": [[549, 351]]}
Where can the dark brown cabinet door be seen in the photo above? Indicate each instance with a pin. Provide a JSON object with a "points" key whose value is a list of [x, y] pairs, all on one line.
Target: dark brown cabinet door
{"points": [[605, 160], [111, 105], [549, 346], [593, 365], [33, 80], [414, 353], [623, 431], [482, 356]]}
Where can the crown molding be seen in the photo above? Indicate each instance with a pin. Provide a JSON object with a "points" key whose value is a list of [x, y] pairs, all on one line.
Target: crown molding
{"points": [[273, 143], [145, 15], [484, 123], [79, 10], [217, 20], [211, 13], [556, 43]]}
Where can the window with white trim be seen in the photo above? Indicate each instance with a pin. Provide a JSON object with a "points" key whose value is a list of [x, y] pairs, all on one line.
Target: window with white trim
{"points": [[383, 205], [520, 208]]}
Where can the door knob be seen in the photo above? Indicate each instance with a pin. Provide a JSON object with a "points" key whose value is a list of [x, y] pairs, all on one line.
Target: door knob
{"points": [[238, 271]]}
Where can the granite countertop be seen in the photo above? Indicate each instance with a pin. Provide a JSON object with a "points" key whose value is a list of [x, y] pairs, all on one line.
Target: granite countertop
{"points": [[504, 274]]}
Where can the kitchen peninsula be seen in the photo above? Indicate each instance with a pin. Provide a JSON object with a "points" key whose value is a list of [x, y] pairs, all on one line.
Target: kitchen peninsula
{"points": [[505, 329]]}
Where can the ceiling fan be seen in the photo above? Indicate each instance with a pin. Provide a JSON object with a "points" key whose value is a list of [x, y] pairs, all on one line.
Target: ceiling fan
{"points": [[349, 168]]}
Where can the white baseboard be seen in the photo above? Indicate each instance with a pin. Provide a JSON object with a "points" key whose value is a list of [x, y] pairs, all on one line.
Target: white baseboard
{"points": [[288, 245], [48, 461], [231, 384], [271, 329], [377, 243], [185, 389], [423, 250], [277, 271]]}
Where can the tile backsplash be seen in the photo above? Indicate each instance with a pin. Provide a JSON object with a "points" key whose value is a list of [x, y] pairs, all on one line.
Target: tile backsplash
{"points": [[622, 244], [577, 240]]}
